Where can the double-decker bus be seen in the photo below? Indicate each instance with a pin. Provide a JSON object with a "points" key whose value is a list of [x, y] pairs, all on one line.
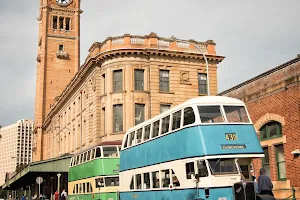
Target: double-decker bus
{"points": [[94, 173], [199, 149]]}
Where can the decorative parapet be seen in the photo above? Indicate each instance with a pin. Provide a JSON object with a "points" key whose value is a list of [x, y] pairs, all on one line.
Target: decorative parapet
{"points": [[62, 54], [152, 41]]}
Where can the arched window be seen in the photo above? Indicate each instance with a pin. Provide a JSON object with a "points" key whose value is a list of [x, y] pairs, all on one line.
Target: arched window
{"points": [[270, 130]]}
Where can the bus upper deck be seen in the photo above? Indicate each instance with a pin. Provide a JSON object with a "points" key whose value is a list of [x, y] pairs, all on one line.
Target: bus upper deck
{"points": [[199, 127]]}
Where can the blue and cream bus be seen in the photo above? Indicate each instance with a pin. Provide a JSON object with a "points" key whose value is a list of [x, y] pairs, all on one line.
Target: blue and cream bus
{"points": [[197, 150]]}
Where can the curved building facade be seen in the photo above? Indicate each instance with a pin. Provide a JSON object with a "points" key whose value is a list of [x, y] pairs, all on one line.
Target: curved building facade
{"points": [[124, 81]]}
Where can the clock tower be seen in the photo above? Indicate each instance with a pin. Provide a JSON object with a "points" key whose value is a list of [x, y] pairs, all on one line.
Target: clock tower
{"points": [[58, 58]]}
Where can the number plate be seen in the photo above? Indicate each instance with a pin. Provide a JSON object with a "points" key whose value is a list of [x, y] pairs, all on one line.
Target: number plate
{"points": [[231, 136]]}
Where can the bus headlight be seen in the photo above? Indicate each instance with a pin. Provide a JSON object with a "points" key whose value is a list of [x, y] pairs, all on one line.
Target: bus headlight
{"points": [[222, 198]]}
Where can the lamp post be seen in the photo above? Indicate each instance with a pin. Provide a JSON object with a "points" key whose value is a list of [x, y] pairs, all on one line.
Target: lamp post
{"points": [[199, 49], [58, 181]]}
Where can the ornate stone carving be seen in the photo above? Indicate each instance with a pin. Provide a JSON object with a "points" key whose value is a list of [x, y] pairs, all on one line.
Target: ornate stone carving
{"points": [[184, 76]]}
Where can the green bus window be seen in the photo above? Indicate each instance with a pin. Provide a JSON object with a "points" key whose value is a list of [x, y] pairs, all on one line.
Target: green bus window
{"points": [[98, 152], [87, 187], [83, 188], [139, 181], [188, 116], [165, 177], [165, 125], [99, 182], [175, 180], [84, 157], [139, 135], [110, 152], [147, 132], [76, 190], [119, 148], [91, 188], [93, 154], [155, 130], [176, 120], [111, 181], [155, 180], [77, 159], [88, 155], [80, 188]]}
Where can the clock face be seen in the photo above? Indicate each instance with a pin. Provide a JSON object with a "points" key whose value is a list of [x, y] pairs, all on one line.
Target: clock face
{"points": [[63, 2]]}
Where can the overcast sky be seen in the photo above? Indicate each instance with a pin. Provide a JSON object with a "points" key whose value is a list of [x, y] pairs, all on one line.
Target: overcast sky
{"points": [[255, 36]]}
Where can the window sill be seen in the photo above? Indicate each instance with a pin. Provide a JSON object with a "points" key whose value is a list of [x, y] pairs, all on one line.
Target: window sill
{"points": [[202, 94], [273, 141], [118, 133], [163, 92], [140, 91], [123, 91]]}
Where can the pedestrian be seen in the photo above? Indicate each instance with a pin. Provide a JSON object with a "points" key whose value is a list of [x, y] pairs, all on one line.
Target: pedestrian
{"points": [[23, 197], [56, 195], [265, 185], [63, 195], [255, 184]]}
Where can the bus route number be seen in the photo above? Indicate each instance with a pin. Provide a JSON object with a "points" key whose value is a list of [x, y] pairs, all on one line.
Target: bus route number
{"points": [[231, 136]]}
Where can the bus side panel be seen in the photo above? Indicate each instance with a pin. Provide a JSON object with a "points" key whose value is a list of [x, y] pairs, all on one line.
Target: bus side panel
{"points": [[179, 194], [192, 142], [97, 167], [103, 196]]}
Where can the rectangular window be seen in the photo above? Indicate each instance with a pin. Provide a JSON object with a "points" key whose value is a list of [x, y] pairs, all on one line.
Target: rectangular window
{"points": [[202, 83], [110, 152], [61, 47], [165, 177], [146, 184], [175, 180], [99, 182], [61, 23], [118, 118], [54, 21], [155, 180], [139, 79], [164, 82], [118, 81], [280, 162], [165, 125], [98, 152], [210, 114], [155, 131], [139, 113], [176, 120], [139, 135], [164, 108], [190, 170], [147, 132], [139, 181], [188, 116], [111, 181], [131, 139], [236, 114], [266, 161], [68, 23]]}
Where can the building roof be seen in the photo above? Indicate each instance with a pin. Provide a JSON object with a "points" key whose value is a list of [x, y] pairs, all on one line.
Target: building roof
{"points": [[284, 65]]}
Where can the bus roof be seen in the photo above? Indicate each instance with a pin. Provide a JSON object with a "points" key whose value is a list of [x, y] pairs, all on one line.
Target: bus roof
{"points": [[204, 100], [105, 143]]}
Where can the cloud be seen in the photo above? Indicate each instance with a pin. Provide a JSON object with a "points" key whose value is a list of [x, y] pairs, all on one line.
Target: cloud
{"points": [[255, 36]]}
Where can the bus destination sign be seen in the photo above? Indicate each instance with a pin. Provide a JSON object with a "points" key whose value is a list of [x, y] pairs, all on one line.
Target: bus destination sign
{"points": [[233, 146]]}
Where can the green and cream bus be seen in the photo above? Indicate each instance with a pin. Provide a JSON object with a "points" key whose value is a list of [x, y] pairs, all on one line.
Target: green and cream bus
{"points": [[94, 173]]}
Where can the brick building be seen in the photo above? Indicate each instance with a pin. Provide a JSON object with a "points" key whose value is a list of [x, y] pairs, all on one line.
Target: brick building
{"points": [[123, 81], [273, 101]]}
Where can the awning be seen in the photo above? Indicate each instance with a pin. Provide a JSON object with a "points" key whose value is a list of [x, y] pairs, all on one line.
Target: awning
{"points": [[27, 175]]}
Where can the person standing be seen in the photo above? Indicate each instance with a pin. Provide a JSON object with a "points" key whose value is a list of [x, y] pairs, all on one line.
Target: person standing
{"points": [[63, 195], [56, 195], [265, 185]]}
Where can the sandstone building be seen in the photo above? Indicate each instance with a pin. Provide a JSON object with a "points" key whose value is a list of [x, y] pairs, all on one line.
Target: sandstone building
{"points": [[15, 146], [123, 81], [273, 102]]}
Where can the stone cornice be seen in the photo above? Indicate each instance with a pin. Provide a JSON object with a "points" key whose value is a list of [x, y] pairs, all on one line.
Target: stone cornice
{"points": [[62, 36]]}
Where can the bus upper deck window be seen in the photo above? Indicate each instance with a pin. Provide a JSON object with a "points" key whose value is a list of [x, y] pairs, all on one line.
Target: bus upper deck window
{"points": [[139, 135], [236, 114], [147, 132], [188, 116], [165, 124], [110, 152], [155, 129], [210, 114], [131, 139], [126, 140], [176, 120]]}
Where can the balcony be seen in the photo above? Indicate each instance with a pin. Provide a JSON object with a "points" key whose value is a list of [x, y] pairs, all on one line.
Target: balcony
{"points": [[62, 54]]}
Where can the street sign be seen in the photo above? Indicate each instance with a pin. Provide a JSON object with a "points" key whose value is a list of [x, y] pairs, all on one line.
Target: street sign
{"points": [[39, 180]]}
